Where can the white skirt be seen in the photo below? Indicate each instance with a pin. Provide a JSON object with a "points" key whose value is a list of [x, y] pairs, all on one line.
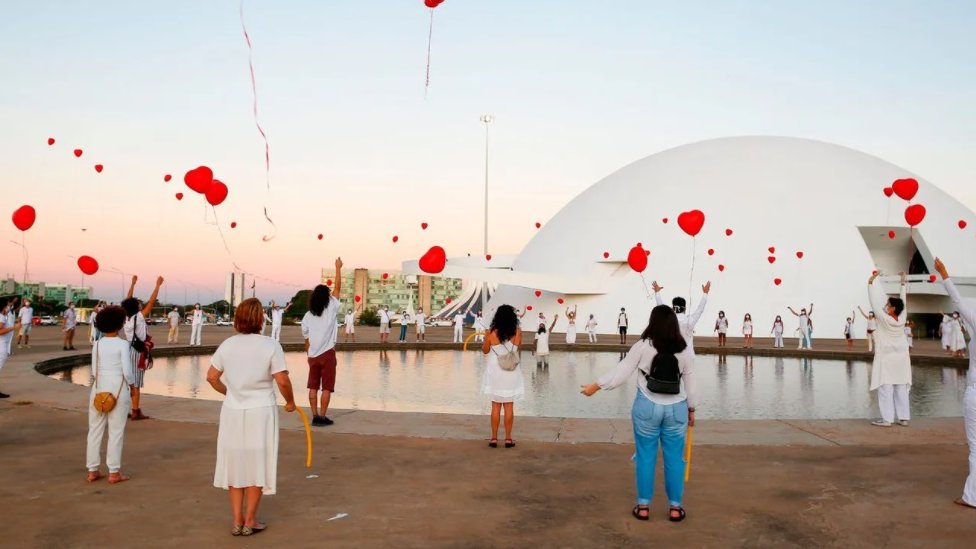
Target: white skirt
{"points": [[499, 385], [247, 449], [571, 334]]}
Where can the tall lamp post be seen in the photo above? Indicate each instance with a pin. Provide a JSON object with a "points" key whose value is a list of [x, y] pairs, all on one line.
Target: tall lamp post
{"points": [[487, 119]]}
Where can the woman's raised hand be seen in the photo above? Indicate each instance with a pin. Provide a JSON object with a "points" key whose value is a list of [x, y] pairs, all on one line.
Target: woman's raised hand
{"points": [[941, 268], [657, 288], [707, 287]]}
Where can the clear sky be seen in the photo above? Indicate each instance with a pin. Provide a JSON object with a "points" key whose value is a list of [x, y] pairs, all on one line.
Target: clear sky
{"points": [[578, 89]]}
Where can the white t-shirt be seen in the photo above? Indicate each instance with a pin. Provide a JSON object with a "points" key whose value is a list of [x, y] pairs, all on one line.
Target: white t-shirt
{"points": [[5, 322], [384, 316], [276, 316], [350, 319], [139, 323], [174, 318], [458, 320], [479, 322], [248, 361], [621, 320], [591, 325], [70, 319], [26, 315], [114, 363], [321, 331], [197, 317], [420, 318], [747, 327], [404, 319]]}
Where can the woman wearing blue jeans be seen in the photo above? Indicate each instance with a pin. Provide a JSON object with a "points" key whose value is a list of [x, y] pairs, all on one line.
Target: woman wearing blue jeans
{"points": [[664, 407]]}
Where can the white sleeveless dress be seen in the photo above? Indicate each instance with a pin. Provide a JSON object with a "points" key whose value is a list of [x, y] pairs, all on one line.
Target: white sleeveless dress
{"points": [[571, 333], [499, 385]]}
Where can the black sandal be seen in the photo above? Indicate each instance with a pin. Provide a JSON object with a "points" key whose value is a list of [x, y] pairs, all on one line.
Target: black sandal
{"points": [[681, 514], [493, 443], [637, 512], [509, 443]]}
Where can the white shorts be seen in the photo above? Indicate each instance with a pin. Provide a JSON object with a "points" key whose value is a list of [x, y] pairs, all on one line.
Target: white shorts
{"points": [[350, 329], [384, 327], [25, 329], [421, 328]]}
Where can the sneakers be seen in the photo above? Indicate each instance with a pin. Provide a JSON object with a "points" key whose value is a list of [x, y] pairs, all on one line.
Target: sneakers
{"points": [[321, 421], [880, 423], [903, 422], [4, 395]]}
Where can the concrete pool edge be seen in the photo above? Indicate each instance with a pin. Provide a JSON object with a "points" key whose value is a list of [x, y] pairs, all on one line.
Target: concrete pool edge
{"points": [[26, 385]]}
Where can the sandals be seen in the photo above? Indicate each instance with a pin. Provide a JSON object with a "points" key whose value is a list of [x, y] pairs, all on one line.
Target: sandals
{"points": [[94, 475], [638, 509], [237, 530], [251, 530], [509, 443], [681, 514], [963, 503], [115, 478], [493, 443]]}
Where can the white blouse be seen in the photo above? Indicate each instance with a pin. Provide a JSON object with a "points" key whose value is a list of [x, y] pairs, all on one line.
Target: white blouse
{"points": [[639, 358], [248, 362], [112, 361], [967, 315]]}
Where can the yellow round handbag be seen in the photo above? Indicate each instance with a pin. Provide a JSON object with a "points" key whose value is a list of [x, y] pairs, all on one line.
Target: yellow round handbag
{"points": [[104, 402]]}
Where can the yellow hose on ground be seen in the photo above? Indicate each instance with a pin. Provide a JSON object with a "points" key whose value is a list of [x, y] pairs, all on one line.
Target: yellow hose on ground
{"points": [[688, 443], [308, 438], [467, 340]]}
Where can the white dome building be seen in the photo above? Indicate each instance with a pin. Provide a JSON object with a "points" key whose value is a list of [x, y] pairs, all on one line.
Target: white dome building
{"points": [[792, 195]]}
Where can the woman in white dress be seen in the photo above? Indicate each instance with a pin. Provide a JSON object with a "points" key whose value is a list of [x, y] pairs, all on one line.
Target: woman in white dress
{"points": [[245, 368], [747, 330], [945, 333], [891, 372], [722, 328], [502, 386], [542, 344], [777, 332], [112, 372], [957, 339], [571, 329], [872, 326]]}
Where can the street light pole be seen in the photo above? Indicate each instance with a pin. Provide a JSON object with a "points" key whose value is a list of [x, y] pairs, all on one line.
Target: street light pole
{"points": [[487, 119]]}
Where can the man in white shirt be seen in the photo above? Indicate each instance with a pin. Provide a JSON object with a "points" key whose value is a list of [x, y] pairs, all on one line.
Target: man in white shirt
{"points": [[277, 316], [622, 325], [385, 324], [479, 328], [70, 321], [196, 325], [686, 322], [26, 316], [320, 328], [350, 323], [174, 326], [421, 326], [458, 327]]}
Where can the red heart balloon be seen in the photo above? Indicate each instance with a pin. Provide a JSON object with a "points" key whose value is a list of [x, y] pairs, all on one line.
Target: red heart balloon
{"points": [[905, 188], [711, 251], [891, 235], [320, 236], [538, 225], [167, 177], [874, 272], [962, 223], [888, 191], [728, 232], [434, 260], [664, 220], [914, 214], [199, 179], [78, 152], [357, 299], [233, 224], [50, 140], [423, 226], [691, 222], [721, 268], [447, 301], [771, 259], [432, 3], [538, 293], [528, 307], [179, 196], [88, 265], [606, 255], [799, 255], [559, 301], [217, 193], [98, 168], [328, 282], [777, 281], [24, 217], [395, 238], [488, 257], [772, 249], [932, 278], [386, 275], [637, 259]]}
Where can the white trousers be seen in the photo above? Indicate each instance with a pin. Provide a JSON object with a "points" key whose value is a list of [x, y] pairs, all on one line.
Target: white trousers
{"points": [[778, 342], [195, 333], [592, 335], [276, 332], [114, 421], [458, 333], [893, 402], [969, 414], [870, 342]]}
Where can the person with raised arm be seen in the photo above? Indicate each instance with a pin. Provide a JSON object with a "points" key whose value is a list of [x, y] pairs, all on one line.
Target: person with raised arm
{"points": [[872, 326], [891, 372], [503, 382], [7, 329], [777, 332], [542, 344], [320, 328], [849, 331], [136, 332], [421, 320], [968, 315], [277, 316], [571, 328], [804, 318], [686, 322]]}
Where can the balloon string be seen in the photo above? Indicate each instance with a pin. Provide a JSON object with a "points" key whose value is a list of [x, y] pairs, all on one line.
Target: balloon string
{"points": [[23, 246], [430, 36], [691, 275], [237, 267], [257, 123], [644, 282]]}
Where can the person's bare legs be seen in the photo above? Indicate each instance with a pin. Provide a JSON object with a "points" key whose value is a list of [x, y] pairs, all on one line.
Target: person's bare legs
{"points": [[496, 413], [313, 401], [509, 419], [253, 494], [71, 338], [65, 342], [135, 397], [326, 397], [237, 505]]}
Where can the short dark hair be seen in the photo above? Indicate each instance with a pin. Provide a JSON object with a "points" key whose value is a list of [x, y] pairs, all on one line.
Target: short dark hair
{"points": [[898, 305], [664, 332], [505, 323], [130, 305], [249, 316], [110, 319], [679, 304], [318, 300]]}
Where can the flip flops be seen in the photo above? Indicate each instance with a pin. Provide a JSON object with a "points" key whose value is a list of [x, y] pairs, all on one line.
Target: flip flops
{"points": [[251, 530]]}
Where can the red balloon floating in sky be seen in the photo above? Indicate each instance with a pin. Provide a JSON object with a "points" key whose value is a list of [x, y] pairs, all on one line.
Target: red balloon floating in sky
{"points": [[216, 193], [199, 179], [772, 249], [637, 259], [24, 217], [528, 307], [664, 220], [799, 255], [98, 168], [167, 177], [395, 238], [891, 235], [538, 225], [538, 293], [386, 275], [777, 281], [50, 140], [931, 278], [888, 191], [711, 251], [905, 188], [233, 224], [728, 232], [771, 259], [691, 222], [914, 214], [78, 152], [358, 299], [721, 268], [606, 255], [560, 301], [321, 236], [447, 301], [962, 223], [487, 257], [434, 260], [88, 265], [423, 226], [432, 3], [179, 196], [328, 282]]}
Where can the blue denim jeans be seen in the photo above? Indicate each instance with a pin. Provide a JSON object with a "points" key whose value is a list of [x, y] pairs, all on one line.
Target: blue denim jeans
{"points": [[667, 424]]}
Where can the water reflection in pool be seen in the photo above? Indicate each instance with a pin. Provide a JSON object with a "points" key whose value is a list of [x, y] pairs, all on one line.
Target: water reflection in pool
{"points": [[733, 387]]}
